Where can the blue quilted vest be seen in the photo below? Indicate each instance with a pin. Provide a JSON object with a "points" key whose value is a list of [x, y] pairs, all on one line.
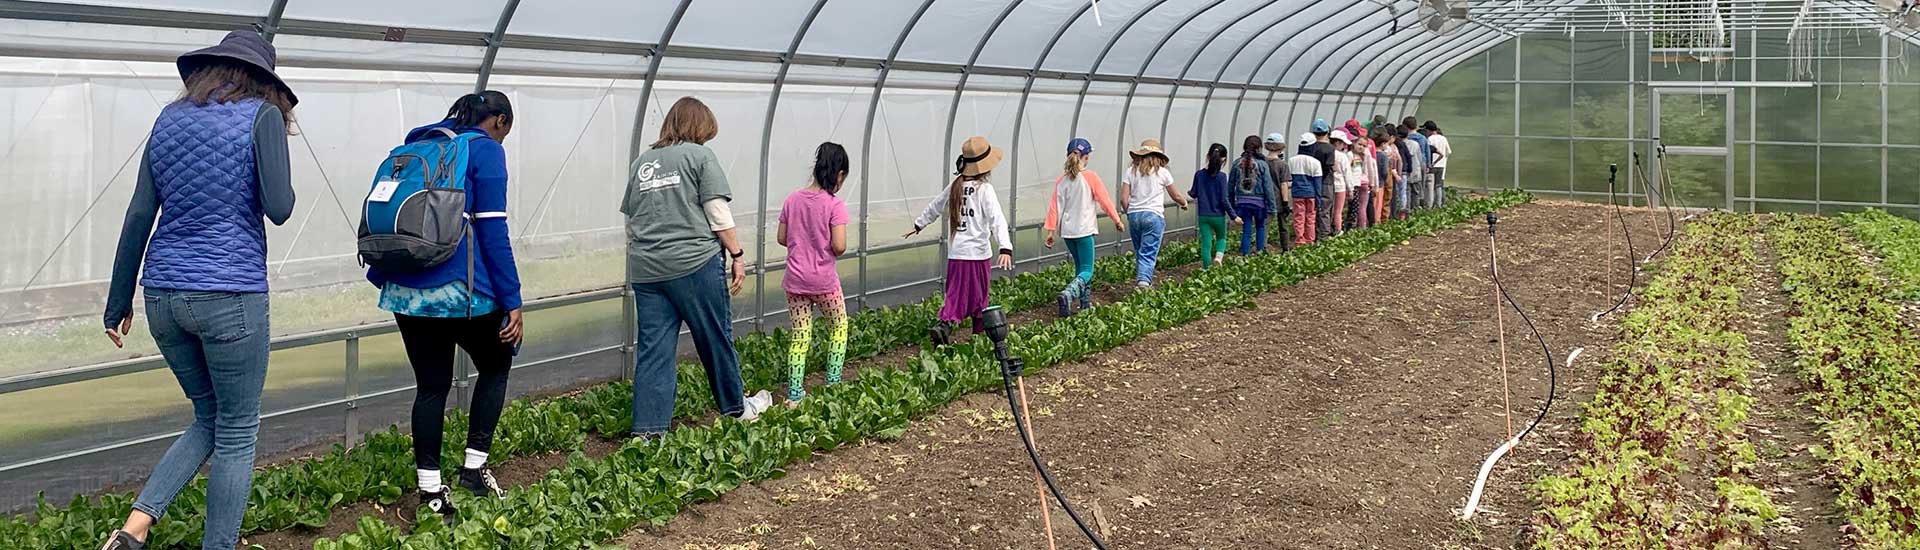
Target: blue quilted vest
{"points": [[210, 236]]}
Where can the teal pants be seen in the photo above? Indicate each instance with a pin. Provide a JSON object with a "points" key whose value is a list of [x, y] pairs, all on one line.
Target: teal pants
{"points": [[1213, 238], [1081, 288]]}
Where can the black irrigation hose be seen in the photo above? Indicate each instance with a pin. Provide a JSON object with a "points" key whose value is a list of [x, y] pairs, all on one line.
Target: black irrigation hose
{"points": [[1020, 422], [1553, 373], [1633, 267]]}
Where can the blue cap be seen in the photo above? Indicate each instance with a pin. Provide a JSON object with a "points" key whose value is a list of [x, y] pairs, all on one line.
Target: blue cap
{"points": [[1081, 146], [1320, 126], [1276, 137]]}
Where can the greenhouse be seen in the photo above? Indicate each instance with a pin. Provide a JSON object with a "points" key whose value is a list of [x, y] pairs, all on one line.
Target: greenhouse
{"points": [[1233, 264]]}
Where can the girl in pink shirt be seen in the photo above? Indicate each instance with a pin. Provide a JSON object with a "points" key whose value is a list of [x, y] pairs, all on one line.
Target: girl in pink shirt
{"points": [[813, 227]]}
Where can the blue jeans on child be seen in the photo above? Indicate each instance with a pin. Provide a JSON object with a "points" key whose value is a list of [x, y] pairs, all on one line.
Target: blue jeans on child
{"points": [[700, 301], [1146, 228], [1253, 231], [216, 343]]}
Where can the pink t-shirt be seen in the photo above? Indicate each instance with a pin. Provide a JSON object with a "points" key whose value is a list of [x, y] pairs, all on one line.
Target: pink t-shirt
{"points": [[810, 215]]}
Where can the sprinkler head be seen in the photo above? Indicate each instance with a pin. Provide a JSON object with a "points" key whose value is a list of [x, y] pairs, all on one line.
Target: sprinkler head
{"points": [[1492, 219], [994, 319]]}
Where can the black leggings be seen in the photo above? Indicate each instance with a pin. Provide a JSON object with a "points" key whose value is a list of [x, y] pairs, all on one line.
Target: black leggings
{"points": [[430, 343]]}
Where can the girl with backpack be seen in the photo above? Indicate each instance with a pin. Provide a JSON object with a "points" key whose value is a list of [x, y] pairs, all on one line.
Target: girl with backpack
{"points": [[437, 311], [1253, 195], [813, 227], [1070, 214], [974, 225], [215, 164], [1215, 203], [1143, 194]]}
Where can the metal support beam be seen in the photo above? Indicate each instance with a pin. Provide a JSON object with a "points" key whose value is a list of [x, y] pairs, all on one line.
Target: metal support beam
{"points": [[953, 110], [1243, 89], [1073, 128], [866, 145], [766, 167], [655, 54], [1020, 114], [271, 24], [494, 39], [1307, 79], [1126, 108], [1268, 108], [1294, 107]]}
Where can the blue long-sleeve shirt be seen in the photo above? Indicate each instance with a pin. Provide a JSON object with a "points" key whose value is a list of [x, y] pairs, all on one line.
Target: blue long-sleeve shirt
{"points": [[494, 274], [1210, 194]]}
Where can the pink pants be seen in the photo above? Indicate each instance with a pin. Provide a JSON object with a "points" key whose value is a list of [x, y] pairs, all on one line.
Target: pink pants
{"points": [[1340, 210], [1303, 222]]}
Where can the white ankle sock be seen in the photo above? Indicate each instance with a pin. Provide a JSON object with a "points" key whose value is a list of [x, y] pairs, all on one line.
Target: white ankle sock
{"points": [[429, 480], [475, 459]]}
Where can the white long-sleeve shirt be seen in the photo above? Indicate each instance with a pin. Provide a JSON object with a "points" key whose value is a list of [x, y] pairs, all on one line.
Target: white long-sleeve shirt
{"points": [[981, 223]]}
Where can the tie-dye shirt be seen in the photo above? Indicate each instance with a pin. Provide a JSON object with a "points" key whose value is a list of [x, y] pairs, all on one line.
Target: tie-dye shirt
{"points": [[446, 301]]}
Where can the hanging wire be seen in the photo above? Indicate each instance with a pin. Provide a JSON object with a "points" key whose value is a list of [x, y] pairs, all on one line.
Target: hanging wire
{"points": [[540, 208]]}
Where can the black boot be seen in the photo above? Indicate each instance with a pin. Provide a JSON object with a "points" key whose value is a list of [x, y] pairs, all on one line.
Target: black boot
{"points": [[941, 334], [440, 502], [120, 540]]}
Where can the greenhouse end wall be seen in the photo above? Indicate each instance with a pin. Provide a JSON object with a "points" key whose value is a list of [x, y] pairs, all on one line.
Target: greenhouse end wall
{"points": [[1548, 112]]}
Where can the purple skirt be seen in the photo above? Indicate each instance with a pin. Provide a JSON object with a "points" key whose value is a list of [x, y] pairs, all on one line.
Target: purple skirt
{"points": [[966, 290]]}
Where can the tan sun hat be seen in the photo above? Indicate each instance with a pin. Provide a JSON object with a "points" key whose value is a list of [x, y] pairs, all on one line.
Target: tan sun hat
{"points": [[1148, 147], [977, 157]]}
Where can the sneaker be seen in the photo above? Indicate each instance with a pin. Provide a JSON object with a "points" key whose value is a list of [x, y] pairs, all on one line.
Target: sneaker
{"points": [[940, 334], [1065, 304], [120, 540], [756, 404], [440, 502], [1142, 285], [1219, 258], [481, 483]]}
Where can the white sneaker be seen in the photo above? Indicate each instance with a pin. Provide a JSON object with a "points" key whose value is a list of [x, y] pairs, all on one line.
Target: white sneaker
{"points": [[756, 404], [1218, 258]]}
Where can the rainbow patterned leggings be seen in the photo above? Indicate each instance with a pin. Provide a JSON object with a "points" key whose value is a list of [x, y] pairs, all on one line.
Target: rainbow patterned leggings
{"points": [[802, 308]]}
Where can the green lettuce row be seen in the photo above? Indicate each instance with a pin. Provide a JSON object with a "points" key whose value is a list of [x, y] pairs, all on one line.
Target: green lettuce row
{"points": [[588, 501], [1670, 410], [1864, 365], [1897, 241], [380, 469]]}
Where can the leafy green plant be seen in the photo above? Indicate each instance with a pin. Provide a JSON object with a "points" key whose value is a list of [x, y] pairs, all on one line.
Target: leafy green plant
{"points": [[589, 501], [1864, 365], [1662, 458], [1897, 241]]}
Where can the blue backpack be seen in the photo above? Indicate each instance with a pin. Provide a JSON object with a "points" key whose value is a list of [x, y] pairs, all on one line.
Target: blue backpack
{"points": [[415, 216]]}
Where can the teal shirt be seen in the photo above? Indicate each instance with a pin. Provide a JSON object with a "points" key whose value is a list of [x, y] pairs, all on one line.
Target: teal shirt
{"points": [[448, 301], [667, 232]]}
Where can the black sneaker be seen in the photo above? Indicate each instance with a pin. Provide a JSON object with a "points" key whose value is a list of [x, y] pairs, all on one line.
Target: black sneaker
{"points": [[940, 333], [441, 502], [120, 540], [1066, 305], [481, 483]]}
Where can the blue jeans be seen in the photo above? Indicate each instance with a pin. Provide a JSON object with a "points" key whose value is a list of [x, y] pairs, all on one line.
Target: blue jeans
{"points": [[1253, 231], [216, 343], [700, 301], [1146, 228]]}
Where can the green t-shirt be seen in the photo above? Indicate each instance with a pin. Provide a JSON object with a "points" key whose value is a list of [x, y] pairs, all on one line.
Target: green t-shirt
{"points": [[667, 232]]}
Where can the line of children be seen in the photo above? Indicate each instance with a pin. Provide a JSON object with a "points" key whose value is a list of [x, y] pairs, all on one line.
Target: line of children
{"points": [[1070, 215]]}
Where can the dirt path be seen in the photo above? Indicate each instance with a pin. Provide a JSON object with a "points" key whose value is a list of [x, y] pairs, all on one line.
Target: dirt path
{"points": [[1350, 411], [1783, 428]]}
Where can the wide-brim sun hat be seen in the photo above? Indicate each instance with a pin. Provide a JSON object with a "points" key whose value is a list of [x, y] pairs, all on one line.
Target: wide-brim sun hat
{"points": [[1342, 136], [246, 48], [1149, 147], [977, 157]]}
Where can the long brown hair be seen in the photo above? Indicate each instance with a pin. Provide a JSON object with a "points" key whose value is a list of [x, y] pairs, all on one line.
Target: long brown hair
{"points": [[954, 193], [222, 82], [688, 121], [1074, 166]]}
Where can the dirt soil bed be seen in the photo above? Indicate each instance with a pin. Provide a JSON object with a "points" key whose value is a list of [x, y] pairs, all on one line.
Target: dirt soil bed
{"points": [[1350, 411]]}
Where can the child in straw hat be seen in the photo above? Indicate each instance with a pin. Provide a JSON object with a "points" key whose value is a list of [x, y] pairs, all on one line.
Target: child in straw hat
{"points": [[1143, 194], [974, 225]]}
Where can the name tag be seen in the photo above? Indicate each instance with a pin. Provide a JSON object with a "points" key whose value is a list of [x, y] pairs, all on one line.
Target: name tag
{"points": [[383, 191]]}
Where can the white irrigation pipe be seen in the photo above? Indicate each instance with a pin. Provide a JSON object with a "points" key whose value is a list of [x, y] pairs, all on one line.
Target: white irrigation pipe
{"points": [[1480, 483]]}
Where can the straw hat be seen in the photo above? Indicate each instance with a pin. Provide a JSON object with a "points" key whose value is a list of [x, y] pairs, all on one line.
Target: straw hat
{"points": [[977, 157], [1149, 147]]}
